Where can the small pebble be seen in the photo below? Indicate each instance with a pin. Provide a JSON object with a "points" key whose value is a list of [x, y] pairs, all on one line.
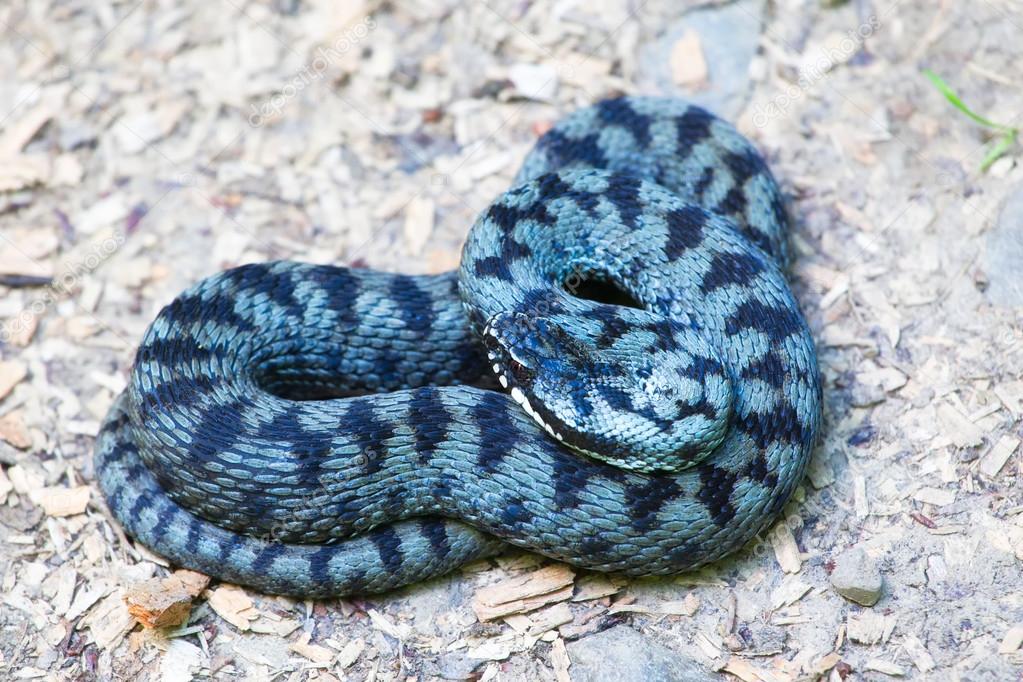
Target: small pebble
{"points": [[856, 577]]}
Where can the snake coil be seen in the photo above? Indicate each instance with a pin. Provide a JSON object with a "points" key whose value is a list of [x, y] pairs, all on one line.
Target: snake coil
{"points": [[317, 430]]}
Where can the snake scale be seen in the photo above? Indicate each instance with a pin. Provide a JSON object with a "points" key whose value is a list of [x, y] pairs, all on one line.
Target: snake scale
{"points": [[316, 430]]}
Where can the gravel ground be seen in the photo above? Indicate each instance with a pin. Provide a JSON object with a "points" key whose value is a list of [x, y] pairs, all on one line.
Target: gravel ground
{"points": [[145, 145]]}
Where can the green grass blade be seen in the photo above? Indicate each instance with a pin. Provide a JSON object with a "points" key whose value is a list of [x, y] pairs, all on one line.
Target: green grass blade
{"points": [[952, 97], [1005, 142]]}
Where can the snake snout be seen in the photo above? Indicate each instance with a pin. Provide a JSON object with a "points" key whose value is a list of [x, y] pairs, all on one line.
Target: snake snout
{"points": [[532, 357]]}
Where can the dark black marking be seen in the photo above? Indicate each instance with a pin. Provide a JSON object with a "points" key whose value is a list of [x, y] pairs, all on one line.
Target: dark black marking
{"points": [[619, 112], [430, 421], [597, 546], [700, 367], [363, 426], [507, 218], [435, 532], [492, 266], [685, 230], [616, 397], [570, 477], [541, 302], [716, 487], [497, 429], [563, 151], [388, 546], [613, 327], [731, 268], [319, 565], [759, 472], [704, 183], [777, 323], [693, 127], [768, 368], [623, 192], [645, 501], [780, 424], [701, 408], [664, 336], [415, 306]]}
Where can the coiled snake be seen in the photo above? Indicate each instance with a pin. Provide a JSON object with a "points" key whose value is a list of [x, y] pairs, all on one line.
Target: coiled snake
{"points": [[645, 434]]}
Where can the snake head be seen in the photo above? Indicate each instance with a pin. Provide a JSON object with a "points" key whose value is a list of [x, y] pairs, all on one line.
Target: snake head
{"points": [[532, 357], [659, 407]]}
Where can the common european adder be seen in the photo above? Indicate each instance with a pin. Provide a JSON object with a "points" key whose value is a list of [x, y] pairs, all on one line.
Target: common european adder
{"points": [[653, 390]]}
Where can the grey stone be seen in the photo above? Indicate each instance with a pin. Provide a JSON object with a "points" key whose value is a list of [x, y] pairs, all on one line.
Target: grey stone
{"points": [[729, 35], [1005, 253], [455, 665], [621, 654], [856, 577]]}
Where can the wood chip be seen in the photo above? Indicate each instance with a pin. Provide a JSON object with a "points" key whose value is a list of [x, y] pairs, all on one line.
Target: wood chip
{"points": [[21, 172], [958, 428], [785, 548], [922, 658], [350, 653], [232, 604], [490, 650], [825, 663], [314, 652], [747, 672], [534, 81], [12, 373], [165, 602], [548, 619], [790, 591], [860, 503], [14, 431], [597, 585], [991, 463], [936, 496], [524, 593], [86, 597], [62, 501], [269, 623], [1012, 641], [866, 627], [16, 136], [386, 626], [684, 607], [110, 622], [418, 223], [20, 330], [1011, 395], [182, 661], [885, 667], [5, 486], [560, 661], [688, 65]]}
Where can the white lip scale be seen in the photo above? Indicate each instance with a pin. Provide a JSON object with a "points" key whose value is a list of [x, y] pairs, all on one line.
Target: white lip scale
{"points": [[520, 397]]}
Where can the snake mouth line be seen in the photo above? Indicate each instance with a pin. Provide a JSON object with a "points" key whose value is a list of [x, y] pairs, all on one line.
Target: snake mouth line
{"points": [[507, 382]]}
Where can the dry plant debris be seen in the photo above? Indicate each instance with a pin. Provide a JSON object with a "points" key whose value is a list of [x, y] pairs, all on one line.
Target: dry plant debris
{"points": [[165, 602]]}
